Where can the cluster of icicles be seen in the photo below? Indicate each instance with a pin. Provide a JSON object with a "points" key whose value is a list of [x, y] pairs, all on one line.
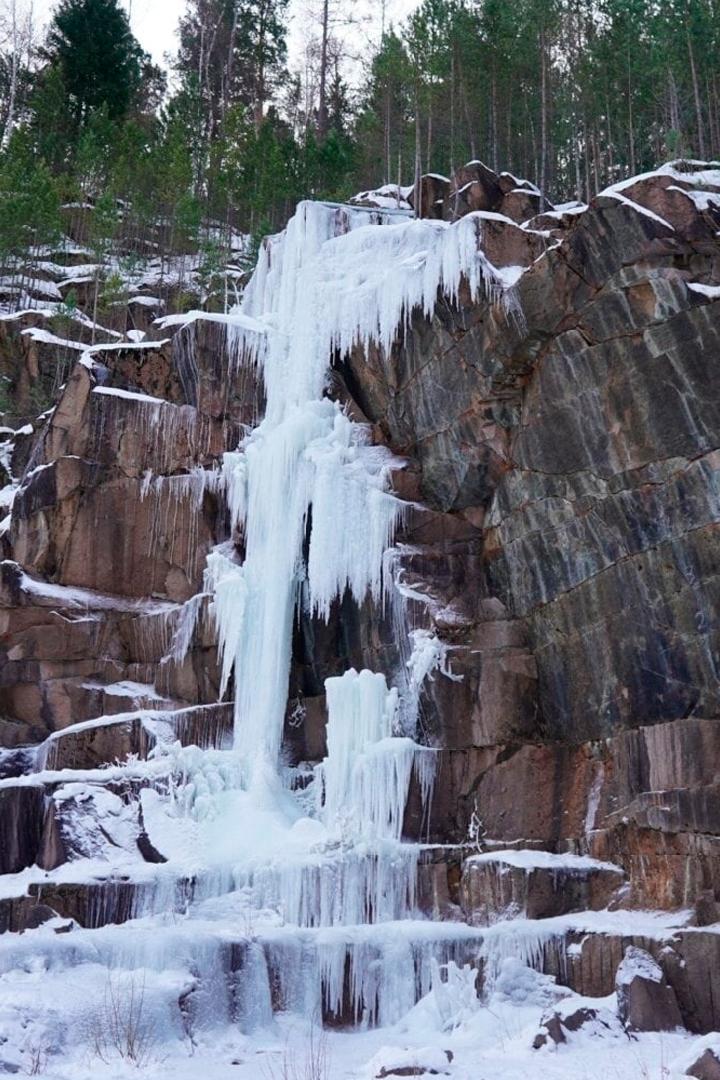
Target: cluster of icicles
{"points": [[307, 490], [309, 494]]}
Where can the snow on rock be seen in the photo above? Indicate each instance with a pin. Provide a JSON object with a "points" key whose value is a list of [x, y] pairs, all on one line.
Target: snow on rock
{"points": [[712, 292], [645, 1000], [386, 197], [44, 337], [394, 1061], [700, 1059], [128, 395], [48, 593], [612, 193], [586, 1020], [543, 860], [637, 963], [696, 173]]}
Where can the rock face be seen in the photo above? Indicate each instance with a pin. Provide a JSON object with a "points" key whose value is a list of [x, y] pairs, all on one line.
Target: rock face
{"points": [[570, 468], [562, 543], [645, 1000], [533, 885], [115, 514]]}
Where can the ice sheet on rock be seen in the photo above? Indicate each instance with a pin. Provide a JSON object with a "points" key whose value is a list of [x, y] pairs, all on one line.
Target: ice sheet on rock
{"points": [[184, 628], [334, 887], [369, 974], [341, 276], [307, 476], [519, 984], [429, 654]]}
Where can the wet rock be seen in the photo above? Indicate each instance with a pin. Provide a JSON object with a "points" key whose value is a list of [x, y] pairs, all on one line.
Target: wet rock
{"points": [[22, 823], [646, 1002]]}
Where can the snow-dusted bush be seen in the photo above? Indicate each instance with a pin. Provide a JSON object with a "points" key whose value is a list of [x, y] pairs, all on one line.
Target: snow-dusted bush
{"points": [[122, 1026]]}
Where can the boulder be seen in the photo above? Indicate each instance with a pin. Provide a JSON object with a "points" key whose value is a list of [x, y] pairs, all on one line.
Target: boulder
{"points": [[521, 205], [473, 187], [505, 243], [707, 1065], [646, 1002], [429, 195], [559, 1025], [423, 1062]]}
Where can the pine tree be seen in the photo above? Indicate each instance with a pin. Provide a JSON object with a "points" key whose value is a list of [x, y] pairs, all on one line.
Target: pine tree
{"points": [[101, 63]]}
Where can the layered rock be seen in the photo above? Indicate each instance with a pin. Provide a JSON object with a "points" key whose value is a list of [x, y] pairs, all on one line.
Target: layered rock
{"points": [[576, 439], [114, 515], [563, 451]]}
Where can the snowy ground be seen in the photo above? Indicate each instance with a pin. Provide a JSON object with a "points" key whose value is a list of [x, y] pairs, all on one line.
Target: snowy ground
{"points": [[489, 1043]]}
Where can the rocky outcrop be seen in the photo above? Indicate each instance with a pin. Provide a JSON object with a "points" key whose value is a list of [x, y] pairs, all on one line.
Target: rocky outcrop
{"points": [[569, 468], [533, 885], [114, 515], [562, 441]]}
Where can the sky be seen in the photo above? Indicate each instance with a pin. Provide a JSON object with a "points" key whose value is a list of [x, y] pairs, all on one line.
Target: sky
{"points": [[154, 22]]}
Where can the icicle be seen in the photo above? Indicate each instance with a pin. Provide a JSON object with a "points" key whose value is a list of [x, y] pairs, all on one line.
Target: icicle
{"points": [[366, 775]]}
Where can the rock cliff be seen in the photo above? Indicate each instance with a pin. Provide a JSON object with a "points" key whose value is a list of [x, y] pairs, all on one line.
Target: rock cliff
{"points": [[561, 539]]}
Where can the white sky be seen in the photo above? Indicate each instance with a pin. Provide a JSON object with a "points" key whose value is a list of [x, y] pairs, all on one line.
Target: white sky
{"points": [[155, 22]]}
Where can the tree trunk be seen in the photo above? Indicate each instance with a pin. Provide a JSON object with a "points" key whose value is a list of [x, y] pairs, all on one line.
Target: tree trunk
{"points": [[428, 157], [387, 141], [631, 122], [543, 113], [322, 104], [418, 157], [696, 94], [494, 122], [452, 110], [468, 120]]}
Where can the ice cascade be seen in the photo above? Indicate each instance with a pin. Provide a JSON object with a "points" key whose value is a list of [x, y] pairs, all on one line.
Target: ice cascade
{"points": [[307, 490]]}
